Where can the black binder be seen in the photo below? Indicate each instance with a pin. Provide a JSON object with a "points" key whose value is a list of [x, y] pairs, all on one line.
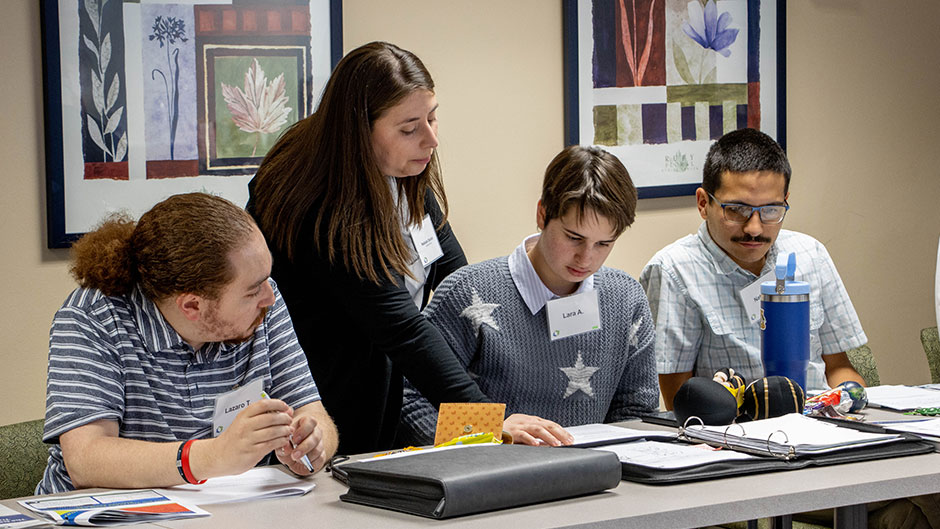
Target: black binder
{"points": [[655, 476], [907, 445], [472, 479]]}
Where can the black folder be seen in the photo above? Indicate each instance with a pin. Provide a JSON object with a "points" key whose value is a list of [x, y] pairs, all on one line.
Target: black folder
{"points": [[472, 479], [654, 476], [907, 445]]}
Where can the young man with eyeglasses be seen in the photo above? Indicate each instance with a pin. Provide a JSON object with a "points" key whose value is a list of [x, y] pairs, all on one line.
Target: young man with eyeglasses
{"points": [[695, 284]]}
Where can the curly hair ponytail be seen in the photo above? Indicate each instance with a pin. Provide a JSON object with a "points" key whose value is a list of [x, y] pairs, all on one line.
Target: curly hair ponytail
{"points": [[181, 245], [102, 259]]}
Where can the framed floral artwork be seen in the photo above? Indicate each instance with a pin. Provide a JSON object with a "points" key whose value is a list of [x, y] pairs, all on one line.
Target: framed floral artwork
{"points": [[147, 99], [655, 82]]}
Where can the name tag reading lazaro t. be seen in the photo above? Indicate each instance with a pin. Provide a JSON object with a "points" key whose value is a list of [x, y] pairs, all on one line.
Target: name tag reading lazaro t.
{"points": [[229, 404], [573, 315]]}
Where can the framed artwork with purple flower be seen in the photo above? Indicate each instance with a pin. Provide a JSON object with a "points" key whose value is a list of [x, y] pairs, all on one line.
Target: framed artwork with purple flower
{"points": [[150, 98], [655, 82]]}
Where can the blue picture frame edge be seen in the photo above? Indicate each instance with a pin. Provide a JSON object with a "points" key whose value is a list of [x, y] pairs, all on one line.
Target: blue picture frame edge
{"points": [[56, 236], [52, 103], [569, 14], [336, 32], [782, 73]]}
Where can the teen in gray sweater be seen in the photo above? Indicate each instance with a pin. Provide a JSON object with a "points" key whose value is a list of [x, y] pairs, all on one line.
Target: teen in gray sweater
{"points": [[509, 319]]}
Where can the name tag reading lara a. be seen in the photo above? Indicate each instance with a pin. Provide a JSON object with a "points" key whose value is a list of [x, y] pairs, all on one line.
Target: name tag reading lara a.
{"points": [[228, 405], [425, 241], [573, 315], [750, 296]]}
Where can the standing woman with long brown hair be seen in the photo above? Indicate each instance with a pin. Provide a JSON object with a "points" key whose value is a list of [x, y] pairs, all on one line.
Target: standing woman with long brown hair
{"points": [[352, 204]]}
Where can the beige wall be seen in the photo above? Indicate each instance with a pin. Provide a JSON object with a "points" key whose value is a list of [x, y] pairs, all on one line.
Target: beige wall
{"points": [[862, 83]]}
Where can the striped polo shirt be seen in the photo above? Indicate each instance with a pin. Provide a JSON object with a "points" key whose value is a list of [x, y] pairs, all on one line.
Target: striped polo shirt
{"points": [[117, 358]]}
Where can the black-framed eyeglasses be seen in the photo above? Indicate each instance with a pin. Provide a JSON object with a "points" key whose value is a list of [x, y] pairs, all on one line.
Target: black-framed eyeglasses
{"points": [[741, 213]]}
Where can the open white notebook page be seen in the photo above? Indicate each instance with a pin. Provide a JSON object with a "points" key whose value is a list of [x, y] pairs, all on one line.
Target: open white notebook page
{"points": [[655, 454], [255, 484], [804, 434]]}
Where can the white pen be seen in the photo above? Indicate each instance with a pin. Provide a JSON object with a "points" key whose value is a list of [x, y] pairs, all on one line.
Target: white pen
{"points": [[901, 421], [305, 460]]}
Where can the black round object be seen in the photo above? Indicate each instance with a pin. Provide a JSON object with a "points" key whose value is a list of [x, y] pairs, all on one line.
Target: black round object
{"points": [[772, 397], [706, 399]]}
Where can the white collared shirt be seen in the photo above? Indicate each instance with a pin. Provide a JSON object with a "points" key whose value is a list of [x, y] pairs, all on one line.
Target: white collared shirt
{"points": [[527, 280], [414, 286]]}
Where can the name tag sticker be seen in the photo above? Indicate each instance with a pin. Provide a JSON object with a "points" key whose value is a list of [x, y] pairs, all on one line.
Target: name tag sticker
{"points": [[229, 404], [573, 315], [750, 296], [425, 241]]}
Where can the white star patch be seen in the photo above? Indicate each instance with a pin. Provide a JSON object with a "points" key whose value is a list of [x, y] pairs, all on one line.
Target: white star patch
{"points": [[634, 328], [579, 377], [479, 313]]}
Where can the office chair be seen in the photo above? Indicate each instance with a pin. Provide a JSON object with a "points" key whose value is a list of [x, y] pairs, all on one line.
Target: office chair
{"points": [[931, 342], [764, 523], [864, 362], [936, 289], [23, 458]]}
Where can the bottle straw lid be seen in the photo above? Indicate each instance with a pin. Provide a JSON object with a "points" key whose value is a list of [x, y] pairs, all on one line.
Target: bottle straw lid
{"points": [[785, 271]]}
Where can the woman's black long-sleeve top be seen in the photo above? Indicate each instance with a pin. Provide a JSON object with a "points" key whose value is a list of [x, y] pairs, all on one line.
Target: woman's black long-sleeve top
{"points": [[360, 338]]}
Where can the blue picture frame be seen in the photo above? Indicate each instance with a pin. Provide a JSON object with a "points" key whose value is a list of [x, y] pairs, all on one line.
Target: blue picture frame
{"points": [[664, 158], [80, 190]]}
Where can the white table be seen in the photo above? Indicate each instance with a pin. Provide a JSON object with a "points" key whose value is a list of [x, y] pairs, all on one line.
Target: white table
{"points": [[629, 505]]}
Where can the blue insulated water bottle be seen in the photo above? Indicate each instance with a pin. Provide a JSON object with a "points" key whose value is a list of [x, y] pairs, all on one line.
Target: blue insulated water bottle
{"points": [[784, 323]]}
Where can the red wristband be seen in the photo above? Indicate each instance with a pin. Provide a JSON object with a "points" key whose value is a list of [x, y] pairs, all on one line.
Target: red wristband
{"points": [[184, 462]]}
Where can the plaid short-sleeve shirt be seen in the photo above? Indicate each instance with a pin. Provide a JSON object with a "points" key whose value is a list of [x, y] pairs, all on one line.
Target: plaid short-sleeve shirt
{"points": [[701, 322]]}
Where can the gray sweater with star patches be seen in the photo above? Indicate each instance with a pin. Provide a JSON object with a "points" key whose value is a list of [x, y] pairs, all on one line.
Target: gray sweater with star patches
{"points": [[606, 375]]}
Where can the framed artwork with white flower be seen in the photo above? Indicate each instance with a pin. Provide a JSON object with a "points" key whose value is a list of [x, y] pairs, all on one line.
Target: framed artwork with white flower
{"points": [[655, 82], [149, 98]]}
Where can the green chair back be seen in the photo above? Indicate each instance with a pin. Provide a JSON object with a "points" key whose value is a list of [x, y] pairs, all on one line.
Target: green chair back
{"points": [[23, 458], [931, 342], [864, 362], [765, 523]]}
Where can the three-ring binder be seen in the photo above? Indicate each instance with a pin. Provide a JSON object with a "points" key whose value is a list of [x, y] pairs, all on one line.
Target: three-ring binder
{"points": [[776, 450], [786, 437], [787, 454]]}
